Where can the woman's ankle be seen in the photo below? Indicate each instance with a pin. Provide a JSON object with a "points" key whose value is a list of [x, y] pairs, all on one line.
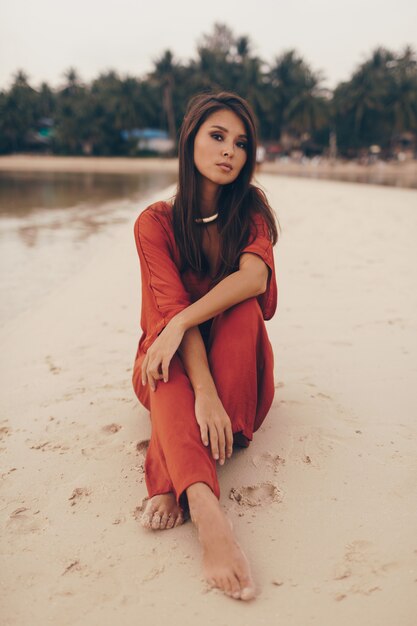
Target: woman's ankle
{"points": [[200, 495]]}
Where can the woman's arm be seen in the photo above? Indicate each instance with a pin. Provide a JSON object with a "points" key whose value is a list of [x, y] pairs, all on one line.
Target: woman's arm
{"points": [[214, 423], [194, 357], [247, 282], [239, 286]]}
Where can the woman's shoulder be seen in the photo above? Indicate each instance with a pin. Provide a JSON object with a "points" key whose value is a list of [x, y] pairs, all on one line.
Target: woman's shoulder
{"points": [[258, 223], [155, 218], [161, 209]]}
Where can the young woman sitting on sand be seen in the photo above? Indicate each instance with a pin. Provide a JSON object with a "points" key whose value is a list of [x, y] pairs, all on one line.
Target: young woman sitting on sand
{"points": [[204, 364]]}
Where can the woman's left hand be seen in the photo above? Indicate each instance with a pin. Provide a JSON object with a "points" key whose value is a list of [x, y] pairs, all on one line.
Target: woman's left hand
{"points": [[160, 353]]}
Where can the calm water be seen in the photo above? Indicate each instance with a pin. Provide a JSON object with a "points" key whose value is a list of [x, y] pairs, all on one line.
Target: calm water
{"points": [[51, 224]]}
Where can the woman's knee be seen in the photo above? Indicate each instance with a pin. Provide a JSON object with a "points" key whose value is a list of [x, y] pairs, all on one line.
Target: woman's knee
{"points": [[241, 322], [247, 310]]}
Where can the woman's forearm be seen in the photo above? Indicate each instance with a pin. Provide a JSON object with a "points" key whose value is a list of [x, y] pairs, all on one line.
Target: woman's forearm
{"points": [[231, 290], [194, 357]]}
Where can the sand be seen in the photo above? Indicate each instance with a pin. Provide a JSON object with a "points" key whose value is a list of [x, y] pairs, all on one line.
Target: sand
{"points": [[323, 501], [123, 165]]}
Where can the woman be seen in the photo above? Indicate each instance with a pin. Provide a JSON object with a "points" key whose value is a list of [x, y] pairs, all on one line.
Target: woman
{"points": [[204, 364]]}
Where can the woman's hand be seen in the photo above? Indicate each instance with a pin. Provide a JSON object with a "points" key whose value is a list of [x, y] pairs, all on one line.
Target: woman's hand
{"points": [[160, 353], [214, 423]]}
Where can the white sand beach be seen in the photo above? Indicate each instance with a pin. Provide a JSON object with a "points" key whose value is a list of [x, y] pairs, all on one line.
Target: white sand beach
{"points": [[329, 516]]}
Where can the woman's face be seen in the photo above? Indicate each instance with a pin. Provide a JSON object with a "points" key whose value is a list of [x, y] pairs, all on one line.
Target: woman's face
{"points": [[220, 139]]}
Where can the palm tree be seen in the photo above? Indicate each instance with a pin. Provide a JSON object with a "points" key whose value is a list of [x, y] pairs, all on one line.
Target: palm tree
{"points": [[163, 74], [297, 103], [403, 92], [19, 113], [379, 100]]}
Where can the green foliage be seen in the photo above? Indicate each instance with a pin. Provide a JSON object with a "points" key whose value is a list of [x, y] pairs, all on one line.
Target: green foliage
{"points": [[379, 102], [377, 105]]}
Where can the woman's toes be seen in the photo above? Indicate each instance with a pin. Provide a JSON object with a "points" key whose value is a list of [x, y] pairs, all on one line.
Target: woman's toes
{"points": [[247, 593], [171, 521], [227, 585], [179, 520], [156, 520], [247, 587], [164, 520], [235, 588], [146, 518]]}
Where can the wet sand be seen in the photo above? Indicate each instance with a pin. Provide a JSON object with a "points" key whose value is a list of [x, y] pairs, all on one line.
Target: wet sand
{"points": [[22, 162], [326, 508]]}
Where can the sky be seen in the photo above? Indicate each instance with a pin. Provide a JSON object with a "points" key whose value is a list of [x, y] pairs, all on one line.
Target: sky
{"points": [[46, 37]]}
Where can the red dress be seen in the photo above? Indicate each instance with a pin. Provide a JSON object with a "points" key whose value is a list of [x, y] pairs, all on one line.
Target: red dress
{"points": [[238, 349]]}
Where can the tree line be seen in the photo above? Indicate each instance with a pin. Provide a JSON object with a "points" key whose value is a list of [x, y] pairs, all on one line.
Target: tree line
{"points": [[377, 105]]}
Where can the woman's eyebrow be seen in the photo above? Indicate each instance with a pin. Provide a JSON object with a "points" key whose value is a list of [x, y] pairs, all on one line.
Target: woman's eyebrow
{"points": [[225, 130]]}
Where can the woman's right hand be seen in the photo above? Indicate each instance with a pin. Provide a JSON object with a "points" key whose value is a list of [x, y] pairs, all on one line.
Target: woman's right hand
{"points": [[215, 425]]}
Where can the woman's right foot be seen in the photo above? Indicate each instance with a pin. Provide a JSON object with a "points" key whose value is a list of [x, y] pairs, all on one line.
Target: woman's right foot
{"points": [[225, 564], [162, 513]]}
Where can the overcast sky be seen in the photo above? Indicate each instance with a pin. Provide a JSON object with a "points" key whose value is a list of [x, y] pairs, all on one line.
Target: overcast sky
{"points": [[46, 37]]}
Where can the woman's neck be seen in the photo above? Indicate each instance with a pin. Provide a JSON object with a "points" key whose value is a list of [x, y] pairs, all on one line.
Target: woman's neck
{"points": [[208, 196]]}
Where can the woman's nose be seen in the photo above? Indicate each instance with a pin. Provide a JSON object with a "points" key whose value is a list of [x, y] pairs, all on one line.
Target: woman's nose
{"points": [[228, 150]]}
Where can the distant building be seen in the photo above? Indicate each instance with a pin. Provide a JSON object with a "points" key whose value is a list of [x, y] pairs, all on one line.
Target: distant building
{"points": [[39, 137], [152, 139]]}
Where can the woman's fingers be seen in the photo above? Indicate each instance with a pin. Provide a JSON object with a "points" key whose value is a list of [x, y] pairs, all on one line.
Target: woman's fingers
{"points": [[214, 442], [165, 369], [144, 366], [204, 434], [150, 371], [222, 444], [229, 440]]}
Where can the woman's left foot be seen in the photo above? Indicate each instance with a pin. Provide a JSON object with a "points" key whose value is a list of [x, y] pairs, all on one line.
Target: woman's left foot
{"points": [[162, 513]]}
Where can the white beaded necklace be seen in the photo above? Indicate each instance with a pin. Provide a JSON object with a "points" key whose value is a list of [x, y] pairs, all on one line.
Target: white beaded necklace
{"points": [[205, 220]]}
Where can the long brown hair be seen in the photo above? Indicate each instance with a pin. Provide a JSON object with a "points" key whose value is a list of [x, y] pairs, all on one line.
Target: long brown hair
{"points": [[237, 199]]}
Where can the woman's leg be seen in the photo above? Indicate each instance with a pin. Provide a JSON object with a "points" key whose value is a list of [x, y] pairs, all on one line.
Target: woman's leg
{"points": [[242, 365], [176, 457], [241, 362], [240, 357]]}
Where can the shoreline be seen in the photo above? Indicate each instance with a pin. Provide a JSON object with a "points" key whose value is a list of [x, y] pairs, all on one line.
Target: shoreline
{"points": [[403, 173], [116, 165]]}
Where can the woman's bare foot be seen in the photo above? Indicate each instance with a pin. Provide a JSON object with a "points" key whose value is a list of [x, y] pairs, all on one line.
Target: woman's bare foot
{"points": [[225, 564], [162, 513]]}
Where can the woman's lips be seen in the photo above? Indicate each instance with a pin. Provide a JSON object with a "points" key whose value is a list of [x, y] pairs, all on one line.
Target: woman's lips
{"points": [[225, 168]]}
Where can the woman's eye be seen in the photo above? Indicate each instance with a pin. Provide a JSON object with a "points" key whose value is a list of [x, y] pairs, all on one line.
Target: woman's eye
{"points": [[241, 144]]}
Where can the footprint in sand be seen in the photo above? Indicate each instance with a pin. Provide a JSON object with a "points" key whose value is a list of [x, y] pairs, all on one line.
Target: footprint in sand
{"points": [[111, 428], [52, 367], [256, 495], [49, 446], [4, 432], [142, 446], [360, 570], [102, 450], [316, 446], [23, 520], [78, 494], [154, 573], [271, 461], [76, 566]]}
